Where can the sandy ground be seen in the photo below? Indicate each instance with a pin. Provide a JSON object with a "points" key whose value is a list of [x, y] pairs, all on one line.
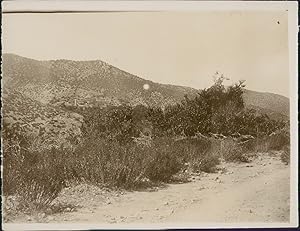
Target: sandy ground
{"points": [[246, 192]]}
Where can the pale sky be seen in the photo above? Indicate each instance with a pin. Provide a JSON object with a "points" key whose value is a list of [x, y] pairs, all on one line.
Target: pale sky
{"points": [[182, 48]]}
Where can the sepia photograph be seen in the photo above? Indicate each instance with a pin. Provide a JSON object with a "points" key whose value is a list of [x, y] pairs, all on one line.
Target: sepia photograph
{"points": [[174, 114]]}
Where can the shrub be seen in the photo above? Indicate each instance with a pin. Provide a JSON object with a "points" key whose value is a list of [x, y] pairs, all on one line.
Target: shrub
{"points": [[278, 140], [12, 162], [42, 176], [207, 163], [110, 163], [14, 146], [124, 165], [201, 152], [285, 155], [96, 159], [192, 148], [231, 151], [164, 160], [256, 145], [36, 177]]}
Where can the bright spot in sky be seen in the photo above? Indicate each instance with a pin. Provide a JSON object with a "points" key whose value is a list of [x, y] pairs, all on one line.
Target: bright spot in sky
{"points": [[146, 86]]}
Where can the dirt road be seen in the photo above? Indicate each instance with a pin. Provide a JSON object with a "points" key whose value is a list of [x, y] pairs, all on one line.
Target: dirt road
{"points": [[246, 192], [254, 192]]}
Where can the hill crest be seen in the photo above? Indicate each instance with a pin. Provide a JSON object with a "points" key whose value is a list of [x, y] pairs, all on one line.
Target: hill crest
{"points": [[96, 82]]}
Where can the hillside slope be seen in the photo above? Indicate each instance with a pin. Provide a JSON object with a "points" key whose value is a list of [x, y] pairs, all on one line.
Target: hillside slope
{"points": [[89, 82], [45, 124], [274, 105], [48, 85]]}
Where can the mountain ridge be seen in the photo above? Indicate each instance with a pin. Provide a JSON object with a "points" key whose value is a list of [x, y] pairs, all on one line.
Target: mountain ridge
{"points": [[125, 71], [95, 82]]}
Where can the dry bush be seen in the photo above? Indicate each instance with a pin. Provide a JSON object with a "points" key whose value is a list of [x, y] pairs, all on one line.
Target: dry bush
{"points": [[209, 157], [164, 160], [10, 207], [192, 148], [124, 165], [42, 177], [279, 140], [108, 163], [257, 145], [35, 177], [12, 167], [127, 165], [207, 163], [233, 152], [285, 155], [201, 153]]}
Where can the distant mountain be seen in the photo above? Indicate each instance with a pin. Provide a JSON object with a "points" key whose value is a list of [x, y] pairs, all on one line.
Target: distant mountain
{"points": [[38, 92], [274, 105], [87, 82]]}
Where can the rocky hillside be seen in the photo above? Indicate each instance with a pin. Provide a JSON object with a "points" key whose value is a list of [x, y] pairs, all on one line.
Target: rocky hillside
{"points": [[37, 93], [45, 124], [84, 83]]}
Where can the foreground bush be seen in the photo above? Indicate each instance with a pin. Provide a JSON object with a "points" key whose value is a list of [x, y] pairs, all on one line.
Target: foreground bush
{"points": [[124, 165], [202, 153], [233, 152], [164, 160], [42, 177], [131, 163], [12, 167], [257, 145], [278, 141], [35, 177], [207, 163], [38, 176], [285, 155], [107, 163]]}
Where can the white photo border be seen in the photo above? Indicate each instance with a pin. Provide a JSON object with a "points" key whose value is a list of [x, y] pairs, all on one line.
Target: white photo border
{"points": [[82, 6]]}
